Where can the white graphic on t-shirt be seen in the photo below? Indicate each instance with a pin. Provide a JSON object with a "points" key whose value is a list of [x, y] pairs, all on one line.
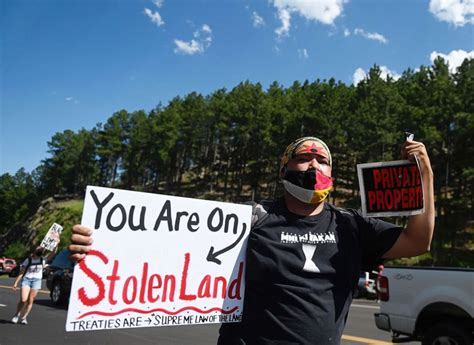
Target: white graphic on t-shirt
{"points": [[308, 238], [309, 265], [35, 268]]}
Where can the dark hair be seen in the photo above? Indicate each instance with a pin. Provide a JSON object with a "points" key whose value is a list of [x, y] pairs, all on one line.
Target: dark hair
{"points": [[39, 251]]}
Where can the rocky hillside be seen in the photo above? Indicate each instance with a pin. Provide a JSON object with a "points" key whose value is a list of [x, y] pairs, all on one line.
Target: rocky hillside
{"points": [[24, 236]]}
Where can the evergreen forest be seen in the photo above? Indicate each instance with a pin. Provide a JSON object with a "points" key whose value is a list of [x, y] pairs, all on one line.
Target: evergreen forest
{"points": [[227, 146]]}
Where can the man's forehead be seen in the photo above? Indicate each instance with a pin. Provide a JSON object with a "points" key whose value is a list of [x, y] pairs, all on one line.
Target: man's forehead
{"points": [[311, 147]]}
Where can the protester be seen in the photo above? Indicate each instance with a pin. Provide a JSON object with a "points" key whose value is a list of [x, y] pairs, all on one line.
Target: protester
{"points": [[304, 255], [379, 273], [31, 275]]}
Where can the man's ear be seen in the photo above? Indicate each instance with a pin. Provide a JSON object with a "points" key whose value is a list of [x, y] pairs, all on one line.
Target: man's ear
{"points": [[282, 172]]}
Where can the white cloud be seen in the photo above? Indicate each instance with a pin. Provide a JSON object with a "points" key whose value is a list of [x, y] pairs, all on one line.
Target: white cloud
{"points": [[206, 28], [257, 20], [360, 74], [455, 58], [457, 12], [323, 11], [303, 53], [285, 17], [154, 16], [205, 31], [370, 35], [158, 3], [387, 72], [347, 32], [189, 48], [201, 41], [72, 99]]}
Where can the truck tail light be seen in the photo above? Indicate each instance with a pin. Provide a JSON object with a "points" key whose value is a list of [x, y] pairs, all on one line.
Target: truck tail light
{"points": [[382, 288]]}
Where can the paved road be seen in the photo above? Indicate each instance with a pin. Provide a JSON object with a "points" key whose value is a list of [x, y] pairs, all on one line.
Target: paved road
{"points": [[46, 326]]}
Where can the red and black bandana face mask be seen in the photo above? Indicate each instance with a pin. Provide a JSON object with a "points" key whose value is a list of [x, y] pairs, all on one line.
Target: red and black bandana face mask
{"points": [[310, 186]]}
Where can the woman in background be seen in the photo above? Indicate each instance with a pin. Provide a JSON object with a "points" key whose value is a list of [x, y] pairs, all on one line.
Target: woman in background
{"points": [[31, 275]]}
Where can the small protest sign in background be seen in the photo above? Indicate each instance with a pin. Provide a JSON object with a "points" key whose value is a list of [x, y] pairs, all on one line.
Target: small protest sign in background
{"points": [[51, 240], [390, 188], [159, 260]]}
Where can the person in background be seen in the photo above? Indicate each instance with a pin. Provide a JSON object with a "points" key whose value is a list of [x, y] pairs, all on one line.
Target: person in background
{"points": [[304, 255], [31, 275], [379, 273]]}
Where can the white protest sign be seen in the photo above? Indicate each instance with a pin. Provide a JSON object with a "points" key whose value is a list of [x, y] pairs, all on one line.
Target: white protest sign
{"points": [[159, 260], [51, 240]]}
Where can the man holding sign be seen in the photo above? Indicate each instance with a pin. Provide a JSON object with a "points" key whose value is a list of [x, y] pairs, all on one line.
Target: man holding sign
{"points": [[304, 255]]}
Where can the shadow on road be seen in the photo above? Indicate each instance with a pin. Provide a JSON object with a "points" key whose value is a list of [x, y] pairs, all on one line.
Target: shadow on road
{"points": [[48, 303]]}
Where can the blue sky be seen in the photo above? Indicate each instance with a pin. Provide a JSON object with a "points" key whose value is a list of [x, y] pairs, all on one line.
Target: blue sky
{"points": [[69, 64]]}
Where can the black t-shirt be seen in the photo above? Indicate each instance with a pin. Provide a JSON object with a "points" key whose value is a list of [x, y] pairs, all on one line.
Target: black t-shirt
{"points": [[301, 272]]}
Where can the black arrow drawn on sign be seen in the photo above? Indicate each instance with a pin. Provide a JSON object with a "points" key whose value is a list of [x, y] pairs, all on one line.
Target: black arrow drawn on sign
{"points": [[212, 256]]}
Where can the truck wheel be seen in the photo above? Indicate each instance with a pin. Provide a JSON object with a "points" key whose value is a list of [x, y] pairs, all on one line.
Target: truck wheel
{"points": [[447, 334], [57, 294]]}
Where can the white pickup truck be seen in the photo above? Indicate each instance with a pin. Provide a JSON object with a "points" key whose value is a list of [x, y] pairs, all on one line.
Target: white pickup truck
{"points": [[431, 305]]}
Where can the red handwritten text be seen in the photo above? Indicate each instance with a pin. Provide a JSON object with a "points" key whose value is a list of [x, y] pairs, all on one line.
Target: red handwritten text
{"points": [[153, 287]]}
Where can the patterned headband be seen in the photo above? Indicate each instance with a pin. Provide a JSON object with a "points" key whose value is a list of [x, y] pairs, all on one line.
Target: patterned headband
{"points": [[292, 149]]}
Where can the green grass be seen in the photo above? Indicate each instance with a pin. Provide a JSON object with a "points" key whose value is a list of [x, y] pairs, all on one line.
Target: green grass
{"points": [[75, 206], [67, 214]]}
